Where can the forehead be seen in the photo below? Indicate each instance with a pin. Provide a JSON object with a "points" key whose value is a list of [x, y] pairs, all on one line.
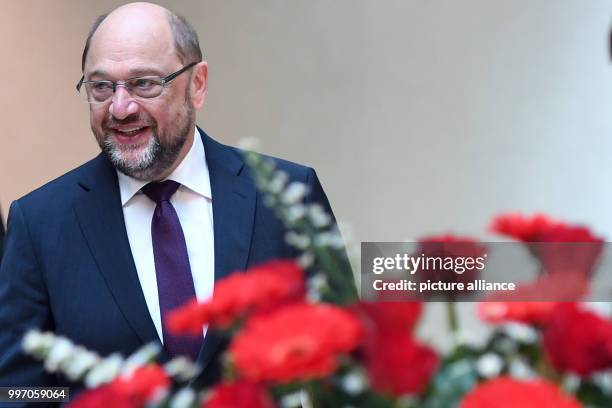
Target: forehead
{"points": [[125, 44]]}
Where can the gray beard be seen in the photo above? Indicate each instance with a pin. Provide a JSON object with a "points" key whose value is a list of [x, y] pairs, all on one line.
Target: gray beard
{"points": [[154, 161], [157, 157]]}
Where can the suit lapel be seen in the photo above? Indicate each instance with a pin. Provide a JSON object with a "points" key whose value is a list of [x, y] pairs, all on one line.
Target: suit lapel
{"points": [[233, 201], [100, 215]]}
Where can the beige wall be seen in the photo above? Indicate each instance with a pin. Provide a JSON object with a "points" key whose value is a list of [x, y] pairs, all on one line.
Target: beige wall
{"points": [[420, 116]]}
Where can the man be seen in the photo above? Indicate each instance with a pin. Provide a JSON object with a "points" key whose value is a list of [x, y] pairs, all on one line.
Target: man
{"points": [[101, 254]]}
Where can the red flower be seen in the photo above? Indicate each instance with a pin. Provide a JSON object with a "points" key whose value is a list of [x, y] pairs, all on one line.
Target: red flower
{"points": [[462, 253], [143, 383], [569, 249], [298, 342], [536, 313], [578, 340], [523, 228], [101, 397], [239, 394], [259, 289], [397, 364], [534, 302], [389, 315], [577, 249], [505, 392], [449, 245], [568, 233], [133, 390], [189, 318]]}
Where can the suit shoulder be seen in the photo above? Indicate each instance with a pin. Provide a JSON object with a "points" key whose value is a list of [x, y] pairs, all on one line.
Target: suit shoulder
{"points": [[292, 168], [234, 158], [289, 166]]}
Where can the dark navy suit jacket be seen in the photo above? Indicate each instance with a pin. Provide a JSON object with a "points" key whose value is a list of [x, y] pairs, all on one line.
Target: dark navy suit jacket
{"points": [[1, 235], [68, 266]]}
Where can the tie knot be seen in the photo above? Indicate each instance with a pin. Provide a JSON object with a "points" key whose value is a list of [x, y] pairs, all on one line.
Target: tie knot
{"points": [[160, 191]]}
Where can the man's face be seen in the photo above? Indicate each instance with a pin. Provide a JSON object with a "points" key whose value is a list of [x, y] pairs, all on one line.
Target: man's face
{"points": [[141, 137]]}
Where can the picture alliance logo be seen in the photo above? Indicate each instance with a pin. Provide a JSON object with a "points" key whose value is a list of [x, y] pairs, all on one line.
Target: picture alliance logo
{"points": [[414, 264]]}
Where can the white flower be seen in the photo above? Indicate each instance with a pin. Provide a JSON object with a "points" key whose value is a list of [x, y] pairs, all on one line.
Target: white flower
{"points": [[295, 213], [82, 361], [330, 238], [322, 239], [299, 241], [182, 368], [521, 332], [278, 182], [459, 368], [294, 193], [35, 340], [306, 259], [318, 216], [298, 399], [269, 200], [571, 382], [603, 379], [104, 372], [141, 357], [267, 166], [248, 143], [316, 285], [489, 365], [507, 346], [291, 400], [61, 350], [253, 159], [159, 395], [520, 369], [469, 338], [184, 398], [354, 383]]}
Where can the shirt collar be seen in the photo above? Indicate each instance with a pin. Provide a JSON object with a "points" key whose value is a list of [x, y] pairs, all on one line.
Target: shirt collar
{"points": [[191, 173]]}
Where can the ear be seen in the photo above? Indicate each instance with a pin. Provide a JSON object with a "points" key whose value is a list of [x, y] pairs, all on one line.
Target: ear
{"points": [[199, 84]]}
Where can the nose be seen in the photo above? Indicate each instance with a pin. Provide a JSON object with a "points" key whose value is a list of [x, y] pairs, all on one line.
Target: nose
{"points": [[122, 105]]}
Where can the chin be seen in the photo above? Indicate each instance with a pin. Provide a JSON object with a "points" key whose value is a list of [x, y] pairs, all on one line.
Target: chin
{"points": [[133, 160]]}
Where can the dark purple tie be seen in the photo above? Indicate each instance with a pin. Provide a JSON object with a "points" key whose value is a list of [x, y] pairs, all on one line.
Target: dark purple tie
{"points": [[174, 281]]}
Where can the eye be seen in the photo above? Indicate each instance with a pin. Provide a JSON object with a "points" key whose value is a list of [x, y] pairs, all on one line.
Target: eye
{"points": [[143, 83], [101, 86]]}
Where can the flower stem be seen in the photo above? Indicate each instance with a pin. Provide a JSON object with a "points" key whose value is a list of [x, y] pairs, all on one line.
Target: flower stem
{"points": [[310, 394], [453, 321]]}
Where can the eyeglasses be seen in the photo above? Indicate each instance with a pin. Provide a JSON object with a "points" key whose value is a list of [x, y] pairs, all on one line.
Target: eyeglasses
{"points": [[146, 87]]}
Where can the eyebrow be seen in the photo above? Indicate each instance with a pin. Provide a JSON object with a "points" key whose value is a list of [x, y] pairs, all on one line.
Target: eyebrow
{"points": [[132, 73]]}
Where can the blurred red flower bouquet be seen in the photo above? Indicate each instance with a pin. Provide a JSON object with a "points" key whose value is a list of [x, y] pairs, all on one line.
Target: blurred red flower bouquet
{"points": [[300, 339]]}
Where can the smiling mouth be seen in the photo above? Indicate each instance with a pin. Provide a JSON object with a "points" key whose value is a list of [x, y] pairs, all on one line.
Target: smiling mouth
{"points": [[128, 132], [129, 135]]}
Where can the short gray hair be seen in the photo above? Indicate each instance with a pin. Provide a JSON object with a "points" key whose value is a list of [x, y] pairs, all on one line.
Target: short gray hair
{"points": [[185, 38]]}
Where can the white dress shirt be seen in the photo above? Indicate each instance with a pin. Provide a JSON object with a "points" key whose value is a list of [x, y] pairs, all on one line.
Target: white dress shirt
{"points": [[193, 204]]}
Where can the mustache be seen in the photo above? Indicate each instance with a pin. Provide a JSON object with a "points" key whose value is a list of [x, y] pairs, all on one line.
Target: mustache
{"points": [[136, 118]]}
